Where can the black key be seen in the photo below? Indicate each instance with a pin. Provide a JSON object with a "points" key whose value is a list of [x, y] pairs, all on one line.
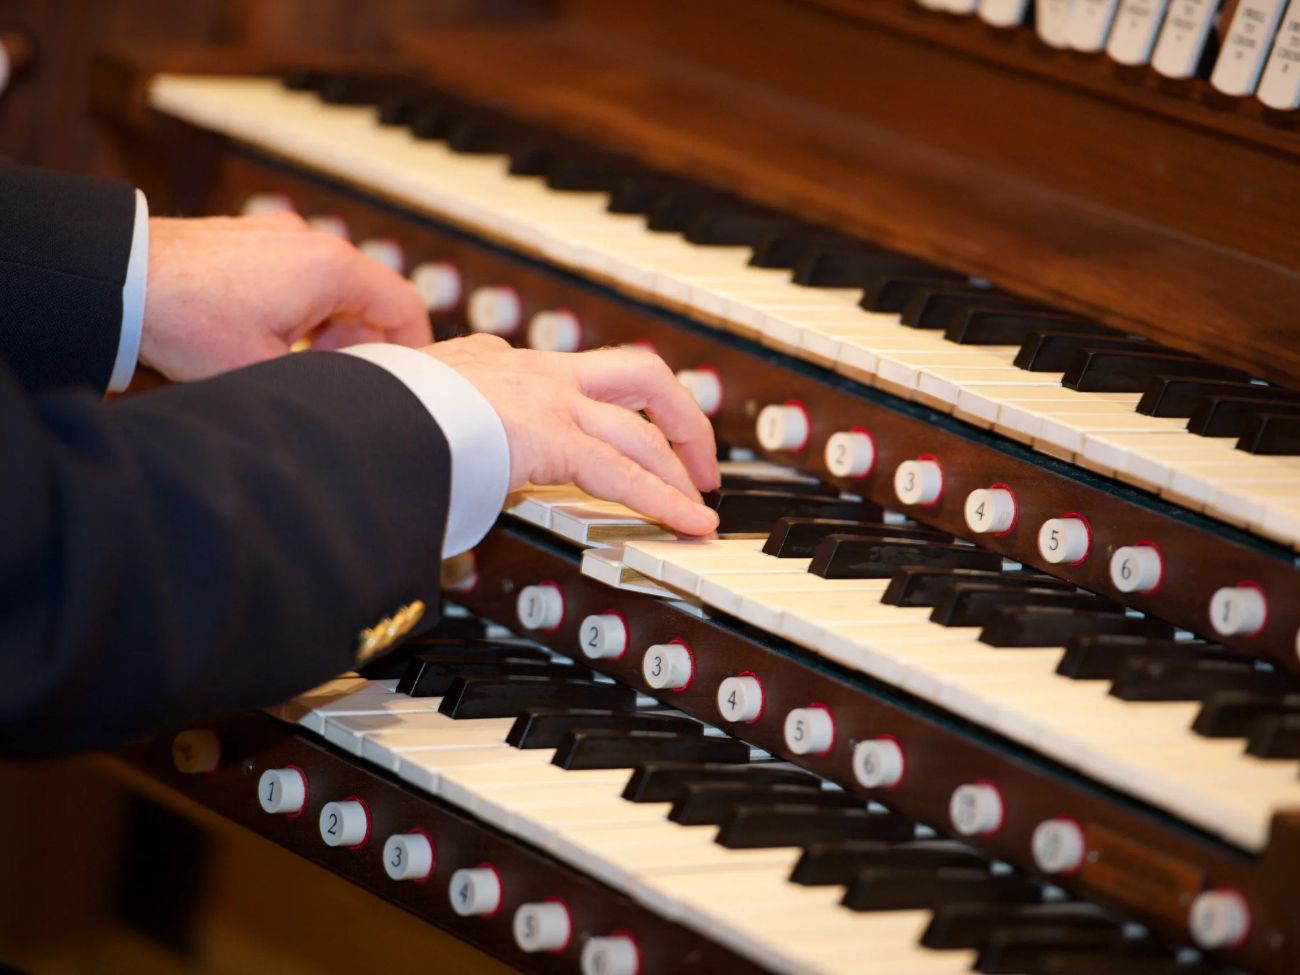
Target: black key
{"points": [[535, 157], [1171, 679], [585, 172], [1277, 736], [434, 118], [398, 107], [824, 864], [890, 292], [856, 266], [940, 307], [357, 89], [1228, 416], [765, 825], [1053, 351], [1011, 326], [786, 248], [432, 675], [434, 643], [733, 228], [789, 485], [1030, 950], [918, 888], [546, 727], [968, 925], [1178, 397], [1232, 714], [1276, 434], [303, 79], [855, 557], [915, 586], [751, 512], [673, 212], [1098, 656], [641, 193], [1117, 371], [505, 697], [625, 749], [482, 135], [662, 781], [973, 603], [1052, 626], [797, 538], [709, 803], [453, 628]]}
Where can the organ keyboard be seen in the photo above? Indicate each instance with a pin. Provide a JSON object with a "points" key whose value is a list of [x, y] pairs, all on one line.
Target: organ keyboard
{"points": [[994, 662]]}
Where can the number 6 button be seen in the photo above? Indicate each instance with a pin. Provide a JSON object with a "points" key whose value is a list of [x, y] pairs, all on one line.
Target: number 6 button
{"points": [[408, 856], [282, 791]]}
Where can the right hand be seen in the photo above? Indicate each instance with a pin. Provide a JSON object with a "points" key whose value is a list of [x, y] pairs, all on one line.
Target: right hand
{"points": [[574, 417]]}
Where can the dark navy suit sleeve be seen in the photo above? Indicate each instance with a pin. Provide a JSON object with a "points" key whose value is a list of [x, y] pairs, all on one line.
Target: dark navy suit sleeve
{"points": [[205, 548], [64, 246]]}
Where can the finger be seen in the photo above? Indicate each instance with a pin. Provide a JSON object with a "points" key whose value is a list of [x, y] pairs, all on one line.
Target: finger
{"points": [[643, 442], [339, 334], [273, 220], [366, 290], [602, 471], [642, 381]]}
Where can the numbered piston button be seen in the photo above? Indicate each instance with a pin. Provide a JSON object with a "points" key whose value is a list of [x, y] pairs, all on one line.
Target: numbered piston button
{"points": [[603, 636], [668, 666], [344, 823], [475, 891], [1136, 568], [850, 453], [991, 510], [740, 699], [810, 730], [614, 954], [540, 607], [1065, 540], [408, 856], [918, 481], [282, 791], [543, 926]]}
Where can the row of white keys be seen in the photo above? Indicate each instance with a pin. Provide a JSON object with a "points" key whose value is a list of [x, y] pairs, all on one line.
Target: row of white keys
{"points": [[979, 384], [740, 897], [1145, 748]]}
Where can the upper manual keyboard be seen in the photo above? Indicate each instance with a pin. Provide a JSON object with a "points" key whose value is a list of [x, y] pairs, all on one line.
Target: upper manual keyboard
{"points": [[1200, 435]]}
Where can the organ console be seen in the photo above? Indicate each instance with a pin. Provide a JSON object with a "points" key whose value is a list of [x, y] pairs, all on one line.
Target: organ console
{"points": [[995, 662]]}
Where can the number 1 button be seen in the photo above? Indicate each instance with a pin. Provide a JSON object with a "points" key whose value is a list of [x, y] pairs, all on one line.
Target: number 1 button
{"points": [[282, 791]]}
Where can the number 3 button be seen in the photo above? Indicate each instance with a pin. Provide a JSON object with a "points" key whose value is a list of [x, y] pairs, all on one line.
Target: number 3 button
{"points": [[408, 856]]}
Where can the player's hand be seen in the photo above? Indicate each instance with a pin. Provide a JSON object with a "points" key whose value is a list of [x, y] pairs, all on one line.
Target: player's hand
{"points": [[576, 417], [224, 292]]}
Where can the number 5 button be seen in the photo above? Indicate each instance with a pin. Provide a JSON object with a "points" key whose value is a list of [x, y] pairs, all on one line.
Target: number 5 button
{"points": [[810, 730]]}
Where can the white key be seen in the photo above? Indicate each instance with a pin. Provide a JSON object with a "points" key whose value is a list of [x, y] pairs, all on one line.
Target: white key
{"points": [[1003, 13]]}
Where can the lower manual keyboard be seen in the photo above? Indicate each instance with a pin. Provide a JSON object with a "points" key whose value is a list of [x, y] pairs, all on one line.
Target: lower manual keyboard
{"points": [[740, 897]]}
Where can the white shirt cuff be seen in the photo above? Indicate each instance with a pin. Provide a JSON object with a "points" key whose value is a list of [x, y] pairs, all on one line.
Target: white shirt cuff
{"points": [[133, 289], [480, 453]]}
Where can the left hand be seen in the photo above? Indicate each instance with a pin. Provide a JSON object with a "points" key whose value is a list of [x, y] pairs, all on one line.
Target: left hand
{"points": [[225, 292]]}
